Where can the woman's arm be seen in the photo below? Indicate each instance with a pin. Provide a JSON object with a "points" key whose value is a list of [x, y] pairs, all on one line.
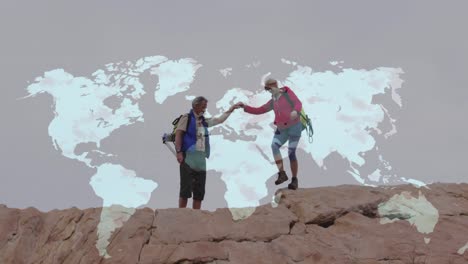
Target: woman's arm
{"points": [[258, 110]]}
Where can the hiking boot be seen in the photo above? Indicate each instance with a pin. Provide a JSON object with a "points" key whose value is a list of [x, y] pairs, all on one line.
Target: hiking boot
{"points": [[293, 185], [282, 177]]}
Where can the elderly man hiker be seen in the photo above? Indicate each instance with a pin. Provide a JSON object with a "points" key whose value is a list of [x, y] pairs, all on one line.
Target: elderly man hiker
{"points": [[287, 107], [193, 147]]}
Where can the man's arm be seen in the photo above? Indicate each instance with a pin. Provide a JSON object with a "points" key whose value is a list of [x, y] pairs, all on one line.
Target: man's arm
{"points": [[179, 136], [178, 140], [220, 119], [178, 145], [217, 120]]}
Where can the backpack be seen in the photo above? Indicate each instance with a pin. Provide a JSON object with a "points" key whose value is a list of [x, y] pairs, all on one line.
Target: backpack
{"points": [[305, 120], [171, 137]]}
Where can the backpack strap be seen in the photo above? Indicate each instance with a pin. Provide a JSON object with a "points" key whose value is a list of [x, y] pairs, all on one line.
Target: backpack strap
{"points": [[286, 95], [176, 121]]}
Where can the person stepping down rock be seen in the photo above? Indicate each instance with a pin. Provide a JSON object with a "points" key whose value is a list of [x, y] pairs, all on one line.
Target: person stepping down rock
{"points": [[282, 177], [288, 121], [294, 183]]}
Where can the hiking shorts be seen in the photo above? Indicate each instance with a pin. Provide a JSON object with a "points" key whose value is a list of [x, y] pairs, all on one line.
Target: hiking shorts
{"points": [[291, 134], [193, 178]]}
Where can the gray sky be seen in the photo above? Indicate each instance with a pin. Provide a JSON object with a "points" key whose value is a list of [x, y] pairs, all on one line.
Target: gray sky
{"points": [[428, 40]]}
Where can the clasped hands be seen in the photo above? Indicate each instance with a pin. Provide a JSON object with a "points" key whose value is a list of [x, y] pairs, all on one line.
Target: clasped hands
{"points": [[235, 106]]}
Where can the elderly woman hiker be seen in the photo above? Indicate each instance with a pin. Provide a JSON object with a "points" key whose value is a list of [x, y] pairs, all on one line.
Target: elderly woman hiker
{"points": [[287, 107]]}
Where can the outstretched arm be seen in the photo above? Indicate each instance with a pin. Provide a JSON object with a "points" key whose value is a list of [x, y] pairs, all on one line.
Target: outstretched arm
{"points": [[220, 119], [258, 110]]}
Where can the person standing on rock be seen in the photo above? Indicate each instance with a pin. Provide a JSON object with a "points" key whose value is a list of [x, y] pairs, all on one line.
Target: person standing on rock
{"points": [[287, 107], [193, 148]]}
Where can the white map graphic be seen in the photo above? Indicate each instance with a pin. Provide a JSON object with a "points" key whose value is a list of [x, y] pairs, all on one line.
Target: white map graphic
{"points": [[340, 104], [418, 212], [81, 116]]}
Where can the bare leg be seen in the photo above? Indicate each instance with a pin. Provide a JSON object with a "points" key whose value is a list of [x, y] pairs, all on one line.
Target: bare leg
{"points": [[182, 202], [196, 204], [278, 140], [294, 167], [279, 162], [293, 142]]}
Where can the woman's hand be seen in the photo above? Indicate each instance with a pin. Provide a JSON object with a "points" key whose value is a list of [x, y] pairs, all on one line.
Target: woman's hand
{"points": [[294, 115]]}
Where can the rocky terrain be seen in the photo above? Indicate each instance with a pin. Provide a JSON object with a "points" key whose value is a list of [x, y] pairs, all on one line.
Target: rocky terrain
{"points": [[342, 224]]}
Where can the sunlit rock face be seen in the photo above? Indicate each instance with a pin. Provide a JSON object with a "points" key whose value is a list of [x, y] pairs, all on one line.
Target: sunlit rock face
{"points": [[338, 224]]}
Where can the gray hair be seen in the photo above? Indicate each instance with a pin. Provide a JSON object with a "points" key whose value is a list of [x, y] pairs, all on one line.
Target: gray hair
{"points": [[198, 100]]}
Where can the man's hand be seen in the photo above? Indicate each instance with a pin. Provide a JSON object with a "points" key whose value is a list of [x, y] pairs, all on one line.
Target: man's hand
{"points": [[240, 105], [180, 157], [293, 115], [235, 106]]}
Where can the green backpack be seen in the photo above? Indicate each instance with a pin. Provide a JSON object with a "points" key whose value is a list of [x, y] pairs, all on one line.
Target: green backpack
{"points": [[171, 137], [305, 120]]}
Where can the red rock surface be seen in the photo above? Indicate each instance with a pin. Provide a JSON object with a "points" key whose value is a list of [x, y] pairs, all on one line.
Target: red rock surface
{"points": [[319, 225]]}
